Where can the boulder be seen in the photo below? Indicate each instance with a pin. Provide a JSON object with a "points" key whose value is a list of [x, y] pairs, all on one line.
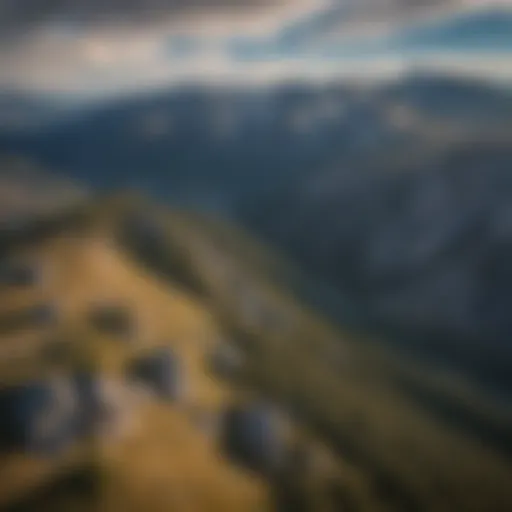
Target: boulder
{"points": [[226, 361], [38, 418], [14, 274], [251, 435], [112, 319], [161, 372]]}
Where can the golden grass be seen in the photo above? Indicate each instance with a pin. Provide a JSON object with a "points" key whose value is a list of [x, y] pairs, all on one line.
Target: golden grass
{"points": [[406, 456], [169, 464], [348, 399]]}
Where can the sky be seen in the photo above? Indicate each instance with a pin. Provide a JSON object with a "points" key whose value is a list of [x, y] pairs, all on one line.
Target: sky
{"points": [[102, 47]]}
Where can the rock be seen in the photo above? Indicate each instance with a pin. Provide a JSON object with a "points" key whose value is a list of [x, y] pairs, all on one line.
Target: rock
{"points": [[161, 372], [44, 314], [38, 418], [40, 315], [91, 401], [252, 436], [56, 352], [113, 319], [13, 274], [107, 406], [226, 361]]}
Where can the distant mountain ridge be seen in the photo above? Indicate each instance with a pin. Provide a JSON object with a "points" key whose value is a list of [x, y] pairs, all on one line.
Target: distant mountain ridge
{"points": [[398, 196]]}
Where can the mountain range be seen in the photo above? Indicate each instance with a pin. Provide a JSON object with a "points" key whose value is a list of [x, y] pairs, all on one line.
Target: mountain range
{"points": [[396, 195]]}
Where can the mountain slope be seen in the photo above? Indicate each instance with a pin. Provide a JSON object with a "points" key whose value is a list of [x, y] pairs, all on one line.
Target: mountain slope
{"points": [[88, 271], [162, 458], [389, 431]]}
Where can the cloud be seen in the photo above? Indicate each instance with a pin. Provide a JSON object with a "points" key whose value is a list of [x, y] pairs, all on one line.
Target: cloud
{"points": [[93, 47], [90, 41], [359, 19], [17, 17]]}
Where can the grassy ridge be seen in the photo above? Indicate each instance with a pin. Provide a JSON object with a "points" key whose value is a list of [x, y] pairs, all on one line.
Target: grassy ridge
{"points": [[417, 442], [401, 435]]}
